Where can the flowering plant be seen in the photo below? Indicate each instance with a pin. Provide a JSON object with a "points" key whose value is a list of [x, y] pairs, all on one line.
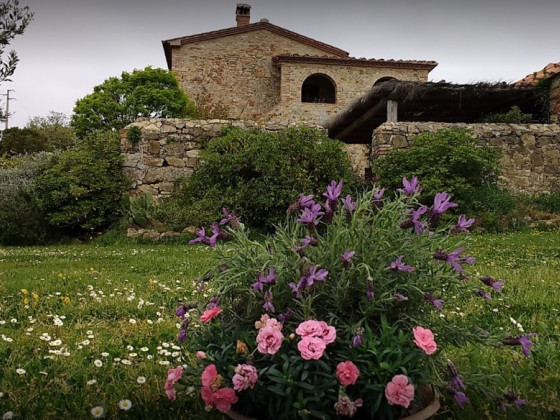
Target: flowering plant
{"points": [[338, 313]]}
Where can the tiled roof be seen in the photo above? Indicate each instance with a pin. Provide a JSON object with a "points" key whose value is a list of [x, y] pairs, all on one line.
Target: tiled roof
{"points": [[532, 79], [236, 30], [352, 61]]}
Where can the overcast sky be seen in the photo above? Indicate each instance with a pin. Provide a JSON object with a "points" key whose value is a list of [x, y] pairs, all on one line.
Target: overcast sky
{"points": [[73, 45]]}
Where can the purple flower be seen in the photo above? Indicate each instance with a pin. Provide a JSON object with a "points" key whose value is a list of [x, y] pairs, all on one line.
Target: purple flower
{"points": [[369, 288], [181, 310], [489, 281], [286, 315], [182, 336], [333, 191], [347, 257], [398, 265], [268, 306], [216, 232], [481, 293], [522, 340], [454, 258], [357, 340], [414, 221], [310, 214], [201, 236], [456, 379], [230, 218], [400, 297], [262, 280], [214, 302], [438, 303], [462, 224], [410, 187], [349, 205], [379, 194], [295, 289], [303, 201], [313, 276], [442, 203], [515, 400], [460, 398], [305, 242]]}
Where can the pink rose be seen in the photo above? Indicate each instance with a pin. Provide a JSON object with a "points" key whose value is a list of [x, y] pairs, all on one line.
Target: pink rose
{"points": [[173, 375], [200, 355], [210, 313], [399, 391], [266, 321], [223, 398], [347, 373], [210, 377], [346, 407], [311, 347], [310, 328], [245, 377], [269, 340], [329, 333], [424, 339]]}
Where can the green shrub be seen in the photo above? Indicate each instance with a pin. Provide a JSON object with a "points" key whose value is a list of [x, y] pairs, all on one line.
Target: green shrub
{"points": [[258, 175], [21, 221], [513, 116], [81, 188], [138, 210], [549, 202], [447, 160]]}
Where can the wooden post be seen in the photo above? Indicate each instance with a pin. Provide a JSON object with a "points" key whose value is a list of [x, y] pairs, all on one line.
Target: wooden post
{"points": [[392, 111]]}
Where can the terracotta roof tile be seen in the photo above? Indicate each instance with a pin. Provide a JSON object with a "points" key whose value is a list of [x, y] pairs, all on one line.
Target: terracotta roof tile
{"points": [[352, 61], [533, 78]]}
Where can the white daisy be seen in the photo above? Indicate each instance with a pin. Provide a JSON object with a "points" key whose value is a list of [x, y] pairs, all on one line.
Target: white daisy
{"points": [[98, 363], [92, 382], [8, 415], [141, 380], [20, 371], [97, 412], [125, 405]]}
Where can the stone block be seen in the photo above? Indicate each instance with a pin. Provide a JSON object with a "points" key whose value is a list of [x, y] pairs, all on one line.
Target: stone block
{"points": [[536, 158], [175, 148], [153, 147], [175, 161], [154, 175], [528, 139], [165, 187], [131, 160], [194, 153], [155, 162]]}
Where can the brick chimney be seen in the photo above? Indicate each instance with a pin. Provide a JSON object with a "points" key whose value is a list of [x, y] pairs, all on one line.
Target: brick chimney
{"points": [[243, 14]]}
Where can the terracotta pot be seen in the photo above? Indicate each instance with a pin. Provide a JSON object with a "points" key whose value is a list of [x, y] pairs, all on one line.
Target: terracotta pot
{"points": [[428, 394]]}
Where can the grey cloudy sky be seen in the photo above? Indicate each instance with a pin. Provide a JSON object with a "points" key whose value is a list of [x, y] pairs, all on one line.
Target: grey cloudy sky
{"points": [[73, 45]]}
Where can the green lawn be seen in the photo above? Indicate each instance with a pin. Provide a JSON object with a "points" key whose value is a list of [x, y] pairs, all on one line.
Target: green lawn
{"points": [[115, 305]]}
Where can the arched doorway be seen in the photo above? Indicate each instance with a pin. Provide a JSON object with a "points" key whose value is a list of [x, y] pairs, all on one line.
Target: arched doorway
{"points": [[318, 88]]}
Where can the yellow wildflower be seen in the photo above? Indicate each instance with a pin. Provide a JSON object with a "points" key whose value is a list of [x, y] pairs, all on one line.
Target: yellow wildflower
{"points": [[35, 296], [66, 299], [25, 301], [24, 291]]}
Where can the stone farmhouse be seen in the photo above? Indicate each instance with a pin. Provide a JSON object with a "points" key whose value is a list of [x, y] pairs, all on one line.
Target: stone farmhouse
{"points": [[262, 72]]}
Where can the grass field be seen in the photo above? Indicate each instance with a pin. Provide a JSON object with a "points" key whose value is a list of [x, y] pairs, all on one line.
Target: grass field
{"points": [[85, 326]]}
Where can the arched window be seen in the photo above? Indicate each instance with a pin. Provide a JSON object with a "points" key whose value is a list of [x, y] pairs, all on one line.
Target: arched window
{"points": [[383, 79], [318, 88]]}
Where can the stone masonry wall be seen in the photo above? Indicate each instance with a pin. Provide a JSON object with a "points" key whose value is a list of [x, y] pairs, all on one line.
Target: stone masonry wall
{"points": [[530, 153], [169, 150], [237, 71], [555, 100]]}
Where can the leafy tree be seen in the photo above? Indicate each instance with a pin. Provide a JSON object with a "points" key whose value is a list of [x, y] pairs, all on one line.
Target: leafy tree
{"points": [[120, 101], [13, 21], [47, 134]]}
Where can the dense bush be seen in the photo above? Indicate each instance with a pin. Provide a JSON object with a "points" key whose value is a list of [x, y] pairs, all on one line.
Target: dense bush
{"points": [[257, 174], [513, 116], [447, 160], [21, 221], [549, 202], [81, 188]]}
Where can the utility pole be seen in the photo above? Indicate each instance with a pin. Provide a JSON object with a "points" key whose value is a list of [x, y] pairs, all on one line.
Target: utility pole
{"points": [[8, 99]]}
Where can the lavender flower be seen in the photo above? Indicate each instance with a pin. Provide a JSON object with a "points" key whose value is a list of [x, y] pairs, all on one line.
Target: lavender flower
{"points": [[312, 276], [295, 289], [481, 293], [303, 202], [268, 306], [462, 224], [369, 288], [182, 336], [438, 303], [347, 257], [310, 215], [522, 340], [400, 297], [442, 203], [230, 218], [379, 194], [200, 236], [333, 191], [215, 233], [181, 310], [489, 281], [515, 400], [460, 398], [349, 205], [398, 265], [262, 280], [454, 258], [286, 315], [410, 187], [214, 302], [357, 340], [377, 203], [305, 242], [414, 221], [456, 379]]}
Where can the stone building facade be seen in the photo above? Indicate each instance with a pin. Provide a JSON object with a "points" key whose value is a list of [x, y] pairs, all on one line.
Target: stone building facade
{"points": [[530, 152], [262, 72]]}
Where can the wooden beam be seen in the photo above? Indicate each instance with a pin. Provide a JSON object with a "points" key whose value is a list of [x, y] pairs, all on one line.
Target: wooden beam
{"points": [[392, 111]]}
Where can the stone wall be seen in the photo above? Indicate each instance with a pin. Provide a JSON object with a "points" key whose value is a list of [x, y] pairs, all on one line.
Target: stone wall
{"points": [[555, 100], [169, 150], [531, 153]]}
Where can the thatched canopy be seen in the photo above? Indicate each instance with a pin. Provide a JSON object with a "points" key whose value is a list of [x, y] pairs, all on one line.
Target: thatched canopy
{"points": [[438, 102]]}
